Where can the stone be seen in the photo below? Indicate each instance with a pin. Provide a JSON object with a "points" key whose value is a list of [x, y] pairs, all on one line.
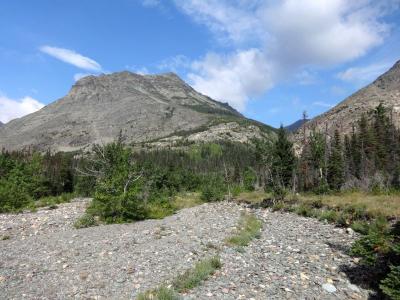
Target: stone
{"points": [[330, 288]]}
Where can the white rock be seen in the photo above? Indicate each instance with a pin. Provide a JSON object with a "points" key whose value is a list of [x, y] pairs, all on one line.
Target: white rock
{"points": [[330, 288]]}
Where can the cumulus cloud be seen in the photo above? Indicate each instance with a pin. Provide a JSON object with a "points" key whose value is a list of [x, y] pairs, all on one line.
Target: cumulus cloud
{"points": [[11, 109], [72, 57], [278, 39], [364, 74], [233, 78]]}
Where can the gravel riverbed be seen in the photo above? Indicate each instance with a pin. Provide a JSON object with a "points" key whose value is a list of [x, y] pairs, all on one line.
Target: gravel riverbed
{"points": [[44, 257]]}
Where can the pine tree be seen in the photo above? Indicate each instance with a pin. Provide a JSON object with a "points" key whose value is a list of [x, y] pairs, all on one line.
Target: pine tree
{"points": [[336, 164], [284, 159]]}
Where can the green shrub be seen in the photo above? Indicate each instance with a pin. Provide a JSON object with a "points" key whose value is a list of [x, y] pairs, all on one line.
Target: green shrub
{"points": [[159, 209], [85, 221], [374, 244], [236, 190], [391, 284], [360, 226], [329, 215], [249, 180], [214, 189], [279, 192]]}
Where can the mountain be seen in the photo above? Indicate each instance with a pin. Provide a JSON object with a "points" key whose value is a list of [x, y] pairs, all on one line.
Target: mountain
{"points": [[385, 89], [151, 108], [1, 124], [296, 125]]}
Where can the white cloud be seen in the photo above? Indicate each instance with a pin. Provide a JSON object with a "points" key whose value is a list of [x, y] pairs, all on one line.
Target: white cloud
{"points": [[228, 19], [72, 57], [11, 109], [233, 78], [174, 63], [365, 74], [276, 40]]}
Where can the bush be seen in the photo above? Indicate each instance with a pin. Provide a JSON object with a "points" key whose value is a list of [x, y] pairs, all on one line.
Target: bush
{"points": [[85, 221], [214, 189], [279, 192], [380, 249], [329, 215], [249, 180], [391, 284]]}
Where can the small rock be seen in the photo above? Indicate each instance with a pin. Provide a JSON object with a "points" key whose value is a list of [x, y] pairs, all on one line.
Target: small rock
{"points": [[330, 288], [353, 287]]}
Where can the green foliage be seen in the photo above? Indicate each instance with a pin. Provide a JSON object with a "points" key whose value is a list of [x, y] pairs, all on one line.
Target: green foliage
{"points": [[329, 215], [85, 221], [54, 200], [380, 249], [375, 243], [249, 228], [160, 209], [391, 284], [283, 160], [336, 164], [193, 277], [213, 189], [162, 293], [249, 179]]}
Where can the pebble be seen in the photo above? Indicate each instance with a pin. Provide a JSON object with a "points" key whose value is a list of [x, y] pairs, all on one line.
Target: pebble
{"points": [[330, 288]]}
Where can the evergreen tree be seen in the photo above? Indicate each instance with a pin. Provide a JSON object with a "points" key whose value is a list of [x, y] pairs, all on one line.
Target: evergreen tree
{"points": [[283, 159], [336, 164]]}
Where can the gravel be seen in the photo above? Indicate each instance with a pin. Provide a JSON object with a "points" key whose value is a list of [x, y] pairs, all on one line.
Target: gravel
{"points": [[295, 257]]}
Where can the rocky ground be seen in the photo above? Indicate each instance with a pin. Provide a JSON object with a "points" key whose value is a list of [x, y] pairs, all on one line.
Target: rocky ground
{"points": [[44, 257]]}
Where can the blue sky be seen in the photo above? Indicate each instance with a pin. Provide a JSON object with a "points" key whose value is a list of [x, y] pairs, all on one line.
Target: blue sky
{"points": [[269, 59]]}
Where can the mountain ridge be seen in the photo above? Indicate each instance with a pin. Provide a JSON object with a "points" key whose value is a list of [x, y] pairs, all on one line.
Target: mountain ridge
{"points": [[385, 89], [98, 108]]}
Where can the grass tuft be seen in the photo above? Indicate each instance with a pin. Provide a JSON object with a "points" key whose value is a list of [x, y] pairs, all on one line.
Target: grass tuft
{"points": [[248, 229], [85, 221], [162, 293], [193, 277]]}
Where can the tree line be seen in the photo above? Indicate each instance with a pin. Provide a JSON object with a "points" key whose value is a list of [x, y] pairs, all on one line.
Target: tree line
{"points": [[367, 159]]}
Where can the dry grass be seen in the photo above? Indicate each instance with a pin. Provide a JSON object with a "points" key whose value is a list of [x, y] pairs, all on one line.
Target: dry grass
{"points": [[187, 200], [385, 205], [253, 197]]}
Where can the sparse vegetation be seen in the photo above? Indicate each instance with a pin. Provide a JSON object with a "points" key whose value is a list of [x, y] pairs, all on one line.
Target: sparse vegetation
{"points": [[162, 293], [193, 277], [184, 282], [248, 229], [85, 221]]}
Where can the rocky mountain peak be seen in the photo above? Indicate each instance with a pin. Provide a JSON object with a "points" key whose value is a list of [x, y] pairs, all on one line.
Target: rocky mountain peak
{"points": [[145, 107], [385, 89]]}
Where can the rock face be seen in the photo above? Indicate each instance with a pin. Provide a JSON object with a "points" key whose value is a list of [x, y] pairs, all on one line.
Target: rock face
{"points": [[296, 125], [385, 89], [97, 109]]}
